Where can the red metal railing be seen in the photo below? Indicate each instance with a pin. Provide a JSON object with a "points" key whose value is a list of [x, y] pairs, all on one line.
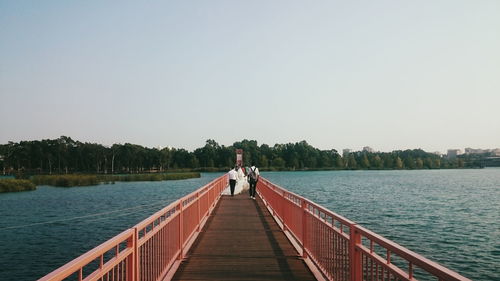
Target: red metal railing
{"points": [[151, 249], [339, 248]]}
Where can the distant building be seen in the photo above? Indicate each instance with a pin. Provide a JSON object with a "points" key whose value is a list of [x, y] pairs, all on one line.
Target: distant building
{"points": [[453, 153], [493, 152], [437, 153], [469, 150], [368, 149], [346, 152]]}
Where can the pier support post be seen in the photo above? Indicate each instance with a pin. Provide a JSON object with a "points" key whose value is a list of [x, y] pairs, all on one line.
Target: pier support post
{"points": [[355, 266], [304, 229], [283, 211], [198, 206], [181, 235], [134, 262]]}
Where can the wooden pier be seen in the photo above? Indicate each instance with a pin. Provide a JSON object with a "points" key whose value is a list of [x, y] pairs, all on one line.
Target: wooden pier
{"points": [[241, 241], [209, 236]]}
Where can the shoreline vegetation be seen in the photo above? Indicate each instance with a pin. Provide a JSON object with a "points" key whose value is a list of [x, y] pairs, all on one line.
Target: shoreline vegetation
{"points": [[86, 180], [71, 180], [14, 185]]}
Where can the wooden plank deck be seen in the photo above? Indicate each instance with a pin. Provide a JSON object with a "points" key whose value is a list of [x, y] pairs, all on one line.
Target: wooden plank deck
{"points": [[241, 241]]}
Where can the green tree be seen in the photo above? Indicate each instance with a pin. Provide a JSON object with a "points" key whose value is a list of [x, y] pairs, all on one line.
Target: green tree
{"points": [[419, 163], [263, 162], [428, 164], [388, 161], [279, 162], [409, 162], [365, 163], [339, 163], [351, 162], [398, 163], [377, 162]]}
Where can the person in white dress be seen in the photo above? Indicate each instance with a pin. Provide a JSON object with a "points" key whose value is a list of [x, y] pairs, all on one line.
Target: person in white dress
{"points": [[241, 183]]}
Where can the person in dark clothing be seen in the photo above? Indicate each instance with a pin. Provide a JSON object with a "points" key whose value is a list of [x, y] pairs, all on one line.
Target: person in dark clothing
{"points": [[232, 180], [253, 178]]}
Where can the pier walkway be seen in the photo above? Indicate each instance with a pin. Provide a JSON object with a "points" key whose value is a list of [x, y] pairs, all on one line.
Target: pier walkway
{"points": [[280, 236], [241, 241]]}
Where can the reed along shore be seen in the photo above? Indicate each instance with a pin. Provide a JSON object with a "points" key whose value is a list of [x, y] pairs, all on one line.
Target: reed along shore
{"points": [[87, 180], [14, 185]]}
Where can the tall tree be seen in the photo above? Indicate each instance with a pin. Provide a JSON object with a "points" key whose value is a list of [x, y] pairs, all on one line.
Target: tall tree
{"points": [[398, 163]]}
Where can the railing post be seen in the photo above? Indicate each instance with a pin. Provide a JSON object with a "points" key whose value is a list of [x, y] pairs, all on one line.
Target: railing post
{"points": [[283, 210], [181, 234], [212, 194], [273, 202], [199, 215], [304, 228], [355, 265], [208, 201], [135, 256]]}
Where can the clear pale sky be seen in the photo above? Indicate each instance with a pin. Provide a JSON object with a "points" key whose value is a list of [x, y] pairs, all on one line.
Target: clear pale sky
{"points": [[338, 74]]}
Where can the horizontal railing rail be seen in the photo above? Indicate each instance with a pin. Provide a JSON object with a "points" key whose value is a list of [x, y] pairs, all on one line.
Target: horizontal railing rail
{"points": [[342, 250], [151, 249]]}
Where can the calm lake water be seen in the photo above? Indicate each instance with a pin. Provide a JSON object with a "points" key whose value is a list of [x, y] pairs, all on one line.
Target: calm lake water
{"points": [[449, 216], [96, 213]]}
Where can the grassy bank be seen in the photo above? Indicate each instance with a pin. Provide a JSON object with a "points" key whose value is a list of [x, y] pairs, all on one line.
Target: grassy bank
{"points": [[148, 177], [65, 180], [13, 185], [86, 180]]}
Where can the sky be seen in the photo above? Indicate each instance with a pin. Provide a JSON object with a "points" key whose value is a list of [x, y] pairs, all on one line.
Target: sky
{"points": [[388, 74]]}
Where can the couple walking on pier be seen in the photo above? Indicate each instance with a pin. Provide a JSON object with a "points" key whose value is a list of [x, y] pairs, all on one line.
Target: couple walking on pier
{"points": [[252, 174]]}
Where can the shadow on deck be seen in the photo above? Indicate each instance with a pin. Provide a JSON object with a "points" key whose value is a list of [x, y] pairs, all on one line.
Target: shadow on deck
{"points": [[241, 241]]}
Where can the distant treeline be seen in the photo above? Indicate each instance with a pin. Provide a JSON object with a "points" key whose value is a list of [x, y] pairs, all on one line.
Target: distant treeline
{"points": [[64, 155]]}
